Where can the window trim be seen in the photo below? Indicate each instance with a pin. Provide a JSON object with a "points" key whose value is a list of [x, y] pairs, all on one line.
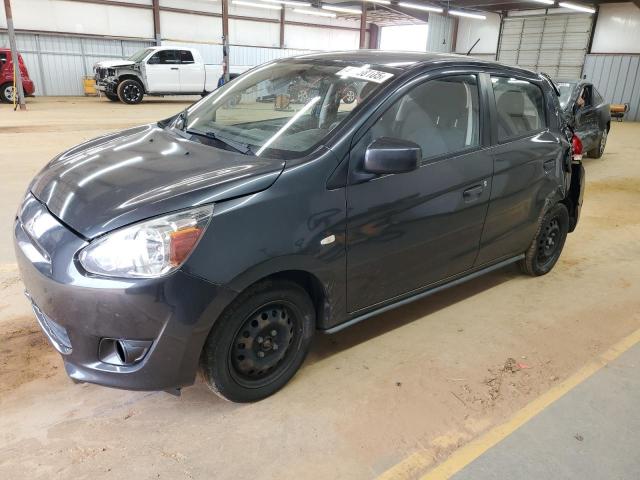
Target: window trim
{"points": [[494, 109], [390, 101]]}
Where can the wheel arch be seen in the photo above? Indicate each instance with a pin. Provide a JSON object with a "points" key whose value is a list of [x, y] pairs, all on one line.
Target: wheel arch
{"points": [[131, 76], [310, 283]]}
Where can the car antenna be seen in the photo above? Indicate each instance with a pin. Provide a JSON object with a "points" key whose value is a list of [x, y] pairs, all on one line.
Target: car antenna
{"points": [[473, 46]]}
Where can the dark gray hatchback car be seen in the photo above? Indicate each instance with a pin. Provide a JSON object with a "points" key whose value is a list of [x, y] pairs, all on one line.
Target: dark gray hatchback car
{"points": [[225, 236]]}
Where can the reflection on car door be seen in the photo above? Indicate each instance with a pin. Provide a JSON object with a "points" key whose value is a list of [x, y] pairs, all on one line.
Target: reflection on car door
{"points": [[410, 230], [527, 170], [163, 71]]}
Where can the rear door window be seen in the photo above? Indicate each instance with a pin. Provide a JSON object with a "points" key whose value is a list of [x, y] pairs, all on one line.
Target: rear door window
{"points": [[186, 56], [519, 106]]}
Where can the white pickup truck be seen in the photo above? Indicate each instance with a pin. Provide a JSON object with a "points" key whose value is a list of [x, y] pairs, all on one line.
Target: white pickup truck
{"points": [[156, 71]]}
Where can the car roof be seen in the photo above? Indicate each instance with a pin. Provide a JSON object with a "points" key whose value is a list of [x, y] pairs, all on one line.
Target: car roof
{"points": [[404, 61]]}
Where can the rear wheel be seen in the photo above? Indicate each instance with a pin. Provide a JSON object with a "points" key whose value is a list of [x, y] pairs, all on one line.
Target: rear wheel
{"points": [[599, 150], [7, 93], [130, 91], [548, 242], [259, 342]]}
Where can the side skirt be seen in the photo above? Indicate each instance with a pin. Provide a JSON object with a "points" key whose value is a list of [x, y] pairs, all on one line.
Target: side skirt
{"points": [[426, 293]]}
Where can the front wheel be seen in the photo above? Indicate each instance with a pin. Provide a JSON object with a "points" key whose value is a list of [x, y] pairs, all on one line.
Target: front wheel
{"points": [[7, 93], [130, 91], [259, 342], [548, 242], [599, 150]]}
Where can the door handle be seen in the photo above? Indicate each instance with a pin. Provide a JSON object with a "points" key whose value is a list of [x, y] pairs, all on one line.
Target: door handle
{"points": [[549, 165], [174, 68], [473, 193]]}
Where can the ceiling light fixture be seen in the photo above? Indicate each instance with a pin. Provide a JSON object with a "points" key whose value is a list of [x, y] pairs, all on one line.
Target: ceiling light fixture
{"points": [[546, 2], [459, 13], [315, 11], [357, 11], [381, 2], [288, 3], [257, 5], [426, 8], [579, 8]]}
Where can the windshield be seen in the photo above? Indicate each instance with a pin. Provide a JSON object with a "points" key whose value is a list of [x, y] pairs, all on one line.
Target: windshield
{"points": [[284, 108], [566, 89], [140, 54]]}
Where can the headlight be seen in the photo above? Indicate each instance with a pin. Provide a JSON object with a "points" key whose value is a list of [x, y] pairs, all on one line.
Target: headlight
{"points": [[147, 249]]}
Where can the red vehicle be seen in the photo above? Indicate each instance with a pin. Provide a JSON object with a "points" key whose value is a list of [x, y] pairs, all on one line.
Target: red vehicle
{"points": [[7, 91]]}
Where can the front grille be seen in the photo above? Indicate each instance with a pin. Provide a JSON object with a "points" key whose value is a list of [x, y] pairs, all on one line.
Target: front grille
{"points": [[56, 333]]}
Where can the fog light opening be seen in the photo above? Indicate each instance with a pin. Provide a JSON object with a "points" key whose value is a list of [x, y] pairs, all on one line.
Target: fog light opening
{"points": [[120, 351]]}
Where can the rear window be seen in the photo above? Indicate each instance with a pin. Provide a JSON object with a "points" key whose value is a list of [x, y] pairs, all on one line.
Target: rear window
{"points": [[520, 107], [186, 56]]}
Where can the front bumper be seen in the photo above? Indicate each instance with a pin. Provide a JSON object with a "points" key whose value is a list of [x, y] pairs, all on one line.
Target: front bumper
{"points": [[173, 315]]}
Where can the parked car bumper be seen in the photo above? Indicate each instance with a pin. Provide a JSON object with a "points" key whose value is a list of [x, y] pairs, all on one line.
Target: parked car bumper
{"points": [[28, 87], [163, 322]]}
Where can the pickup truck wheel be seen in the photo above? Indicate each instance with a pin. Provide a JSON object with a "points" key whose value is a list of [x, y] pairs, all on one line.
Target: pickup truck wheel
{"points": [[599, 150], [547, 244], [130, 91], [112, 96], [259, 342], [7, 93]]}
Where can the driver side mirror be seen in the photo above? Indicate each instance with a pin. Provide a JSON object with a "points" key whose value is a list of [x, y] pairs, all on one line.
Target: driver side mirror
{"points": [[392, 155]]}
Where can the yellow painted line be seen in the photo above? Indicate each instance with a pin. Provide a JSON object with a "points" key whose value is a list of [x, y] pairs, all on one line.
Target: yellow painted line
{"points": [[462, 457]]}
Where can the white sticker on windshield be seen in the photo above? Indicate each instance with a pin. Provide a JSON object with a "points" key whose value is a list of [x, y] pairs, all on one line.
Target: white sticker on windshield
{"points": [[365, 73]]}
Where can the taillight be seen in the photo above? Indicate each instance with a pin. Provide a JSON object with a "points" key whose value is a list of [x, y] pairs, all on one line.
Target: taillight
{"points": [[576, 144]]}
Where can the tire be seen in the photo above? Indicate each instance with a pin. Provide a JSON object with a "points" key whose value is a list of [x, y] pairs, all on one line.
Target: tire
{"points": [[7, 92], [242, 360], [599, 150], [112, 96], [349, 95], [548, 242], [130, 91]]}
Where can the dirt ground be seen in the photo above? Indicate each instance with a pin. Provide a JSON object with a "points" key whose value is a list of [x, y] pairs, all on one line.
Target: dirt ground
{"points": [[421, 380]]}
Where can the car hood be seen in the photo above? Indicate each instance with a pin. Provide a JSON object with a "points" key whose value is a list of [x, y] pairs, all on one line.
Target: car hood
{"points": [[113, 63], [142, 172]]}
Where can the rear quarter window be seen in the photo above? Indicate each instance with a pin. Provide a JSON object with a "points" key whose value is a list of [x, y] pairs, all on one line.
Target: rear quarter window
{"points": [[519, 107]]}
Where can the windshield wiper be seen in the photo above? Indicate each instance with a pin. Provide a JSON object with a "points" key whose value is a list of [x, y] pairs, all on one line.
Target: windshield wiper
{"points": [[243, 148]]}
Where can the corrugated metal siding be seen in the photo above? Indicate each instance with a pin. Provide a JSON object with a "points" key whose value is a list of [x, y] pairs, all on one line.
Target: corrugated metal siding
{"points": [[617, 78], [554, 44], [57, 63], [241, 57], [440, 34]]}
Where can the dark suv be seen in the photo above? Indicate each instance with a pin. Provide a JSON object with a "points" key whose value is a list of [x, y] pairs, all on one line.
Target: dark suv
{"points": [[224, 237]]}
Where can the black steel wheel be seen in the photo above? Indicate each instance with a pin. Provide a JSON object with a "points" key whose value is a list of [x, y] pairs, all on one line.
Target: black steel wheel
{"points": [[130, 91], [259, 341], [263, 342], [547, 245]]}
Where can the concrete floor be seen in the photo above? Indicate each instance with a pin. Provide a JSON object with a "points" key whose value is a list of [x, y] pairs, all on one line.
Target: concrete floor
{"points": [[415, 383]]}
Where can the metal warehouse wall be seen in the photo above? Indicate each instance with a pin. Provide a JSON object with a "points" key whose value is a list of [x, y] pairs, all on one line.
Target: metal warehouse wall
{"points": [[617, 78], [440, 33], [57, 63]]}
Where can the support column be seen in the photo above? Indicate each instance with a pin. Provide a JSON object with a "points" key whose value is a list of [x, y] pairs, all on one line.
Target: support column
{"points": [[14, 54], [363, 26], [282, 27], [225, 38], [156, 22]]}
